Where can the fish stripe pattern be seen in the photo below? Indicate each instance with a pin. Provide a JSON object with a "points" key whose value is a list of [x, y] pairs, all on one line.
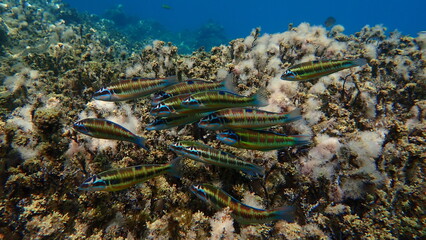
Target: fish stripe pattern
{"points": [[246, 118], [133, 88], [206, 154], [101, 128], [243, 213], [119, 179], [261, 140], [317, 69]]}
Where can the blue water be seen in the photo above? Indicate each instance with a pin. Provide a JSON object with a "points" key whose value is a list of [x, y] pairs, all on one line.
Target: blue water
{"points": [[238, 17]]}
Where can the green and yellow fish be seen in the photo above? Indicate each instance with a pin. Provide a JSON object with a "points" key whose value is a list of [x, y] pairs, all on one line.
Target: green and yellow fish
{"points": [[169, 122], [246, 118], [243, 213], [206, 154], [191, 86], [317, 69], [101, 128], [172, 107], [260, 140], [122, 178], [133, 88], [224, 99]]}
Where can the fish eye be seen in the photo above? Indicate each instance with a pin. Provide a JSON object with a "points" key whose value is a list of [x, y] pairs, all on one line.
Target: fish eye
{"points": [[79, 126], [159, 94], [159, 106], [289, 73], [103, 91], [228, 137], [159, 121], [190, 101]]}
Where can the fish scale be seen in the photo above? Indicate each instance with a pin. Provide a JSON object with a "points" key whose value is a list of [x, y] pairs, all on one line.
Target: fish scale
{"points": [[206, 154], [119, 179], [243, 213], [316, 69], [193, 86], [172, 107], [246, 118], [260, 140], [133, 88], [224, 99], [101, 128]]}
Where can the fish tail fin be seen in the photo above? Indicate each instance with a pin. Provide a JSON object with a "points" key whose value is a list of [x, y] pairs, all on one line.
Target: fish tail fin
{"points": [[228, 83], [175, 167], [255, 171], [301, 139], [359, 62], [261, 97], [172, 79], [294, 115], [140, 141], [285, 213]]}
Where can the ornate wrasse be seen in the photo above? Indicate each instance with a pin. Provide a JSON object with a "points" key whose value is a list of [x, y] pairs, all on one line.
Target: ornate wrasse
{"points": [[169, 122], [122, 178], [261, 140], [172, 107], [241, 212], [317, 69], [193, 86], [246, 118], [224, 99], [206, 154], [101, 128], [133, 88]]}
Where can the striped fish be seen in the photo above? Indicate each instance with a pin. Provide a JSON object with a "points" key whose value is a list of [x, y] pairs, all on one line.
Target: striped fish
{"points": [[133, 88], [192, 86], [224, 99], [122, 178], [165, 123], [260, 140], [243, 213], [206, 154], [101, 128], [317, 69], [172, 107], [246, 118]]}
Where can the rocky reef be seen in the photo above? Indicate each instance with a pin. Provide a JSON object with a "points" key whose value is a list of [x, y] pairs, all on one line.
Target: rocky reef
{"points": [[362, 177]]}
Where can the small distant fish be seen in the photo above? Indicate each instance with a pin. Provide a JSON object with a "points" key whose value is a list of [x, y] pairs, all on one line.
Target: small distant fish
{"points": [[101, 128], [223, 99], [246, 118], [317, 69], [172, 107], [193, 86], [165, 6], [206, 154], [330, 21], [243, 213], [169, 122], [133, 88], [261, 140], [122, 178]]}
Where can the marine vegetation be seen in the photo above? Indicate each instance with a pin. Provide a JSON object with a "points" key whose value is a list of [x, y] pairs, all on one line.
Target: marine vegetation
{"points": [[361, 176]]}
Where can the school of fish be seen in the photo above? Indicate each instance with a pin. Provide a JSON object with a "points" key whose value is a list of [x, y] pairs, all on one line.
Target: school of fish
{"points": [[217, 107]]}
